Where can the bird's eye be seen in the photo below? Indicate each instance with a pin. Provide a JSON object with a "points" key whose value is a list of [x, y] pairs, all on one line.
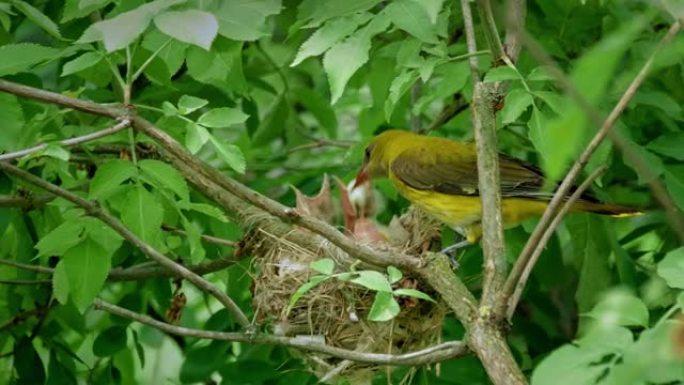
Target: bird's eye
{"points": [[367, 153]]}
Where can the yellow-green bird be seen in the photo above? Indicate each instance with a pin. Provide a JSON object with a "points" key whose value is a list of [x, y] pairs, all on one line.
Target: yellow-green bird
{"points": [[440, 176]]}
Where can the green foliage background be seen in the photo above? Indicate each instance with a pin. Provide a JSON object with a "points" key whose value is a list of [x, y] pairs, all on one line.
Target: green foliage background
{"points": [[279, 93]]}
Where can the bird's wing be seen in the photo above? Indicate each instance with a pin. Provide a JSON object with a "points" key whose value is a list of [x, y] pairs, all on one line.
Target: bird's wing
{"points": [[455, 173]]}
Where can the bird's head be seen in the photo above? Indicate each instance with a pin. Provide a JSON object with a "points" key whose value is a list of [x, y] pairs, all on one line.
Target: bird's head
{"points": [[380, 152]]}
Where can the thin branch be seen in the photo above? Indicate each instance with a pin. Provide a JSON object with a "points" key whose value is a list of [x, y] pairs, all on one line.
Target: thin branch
{"points": [[471, 43], [605, 129], [25, 282], [205, 238], [449, 111], [69, 142], [25, 202], [437, 353], [94, 210], [515, 297], [515, 22], [27, 266], [21, 318], [491, 33]]}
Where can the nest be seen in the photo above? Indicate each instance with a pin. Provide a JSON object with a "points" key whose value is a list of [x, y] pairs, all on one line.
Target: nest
{"points": [[335, 311]]}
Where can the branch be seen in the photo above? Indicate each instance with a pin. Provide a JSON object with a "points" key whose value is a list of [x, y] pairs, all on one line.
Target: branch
{"points": [[94, 210], [491, 33], [25, 282], [69, 142], [470, 40], [205, 238], [449, 111], [515, 22], [515, 297], [25, 202], [605, 129], [437, 353]]}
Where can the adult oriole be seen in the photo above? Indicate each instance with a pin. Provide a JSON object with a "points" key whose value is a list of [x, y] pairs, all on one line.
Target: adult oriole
{"points": [[440, 176]]}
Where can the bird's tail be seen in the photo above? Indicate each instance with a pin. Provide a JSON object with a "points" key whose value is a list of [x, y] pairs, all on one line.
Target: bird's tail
{"points": [[606, 209]]}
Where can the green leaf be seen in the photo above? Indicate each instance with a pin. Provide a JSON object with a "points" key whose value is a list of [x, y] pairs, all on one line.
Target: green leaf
{"points": [[38, 18], [109, 176], [193, 234], [394, 274], [21, 57], [325, 266], [124, 28], [314, 12], [674, 181], [143, 214], [86, 266], [189, 103], [654, 164], [205, 209], [273, 124], [540, 74], [231, 154], [517, 102], [669, 144], [432, 8], [413, 293], [222, 117], [27, 363], [384, 307], [110, 341], [75, 9], [55, 150], [189, 26], [330, 33], [400, 85], [82, 62], [101, 233], [60, 283], [555, 101], [318, 105], [373, 280], [680, 300], [58, 374], [413, 18], [246, 19], [196, 137], [620, 308], [501, 73], [164, 175], [61, 238], [345, 58], [305, 288], [671, 268]]}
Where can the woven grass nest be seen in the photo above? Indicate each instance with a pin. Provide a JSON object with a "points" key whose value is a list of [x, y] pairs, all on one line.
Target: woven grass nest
{"points": [[335, 311]]}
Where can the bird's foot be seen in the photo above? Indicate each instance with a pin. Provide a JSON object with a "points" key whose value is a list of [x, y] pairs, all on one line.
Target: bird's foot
{"points": [[450, 251]]}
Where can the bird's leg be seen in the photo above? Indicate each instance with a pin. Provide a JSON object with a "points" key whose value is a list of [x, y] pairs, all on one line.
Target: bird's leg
{"points": [[450, 251]]}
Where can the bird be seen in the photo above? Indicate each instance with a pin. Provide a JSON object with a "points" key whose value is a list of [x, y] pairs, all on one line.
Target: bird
{"points": [[440, 176]]}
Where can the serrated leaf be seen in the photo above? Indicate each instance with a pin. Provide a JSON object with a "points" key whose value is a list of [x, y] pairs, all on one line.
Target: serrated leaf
{"points": [[432, 8], [245, 20], [231, 154], [325, 266], [101, 233], [110, 175], [82, 62], [222, 117], [400, 85], [196, 137], [21, 57], [330, 33], [189, 26], [165, 176], [193, 234], [671, 268], [188, 104], [517, 102], [124, 28], [312, 13], [372, 280], [384, 307], [413, 293], [394, 274], [60, 283], [413, 18], [86, 266], [61, 238], [38, 17], [501, 73], [540, 74], [555, 101], [143, 214]]}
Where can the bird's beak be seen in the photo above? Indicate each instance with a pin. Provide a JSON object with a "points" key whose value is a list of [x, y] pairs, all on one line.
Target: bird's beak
{"points": [[362, 177]]}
